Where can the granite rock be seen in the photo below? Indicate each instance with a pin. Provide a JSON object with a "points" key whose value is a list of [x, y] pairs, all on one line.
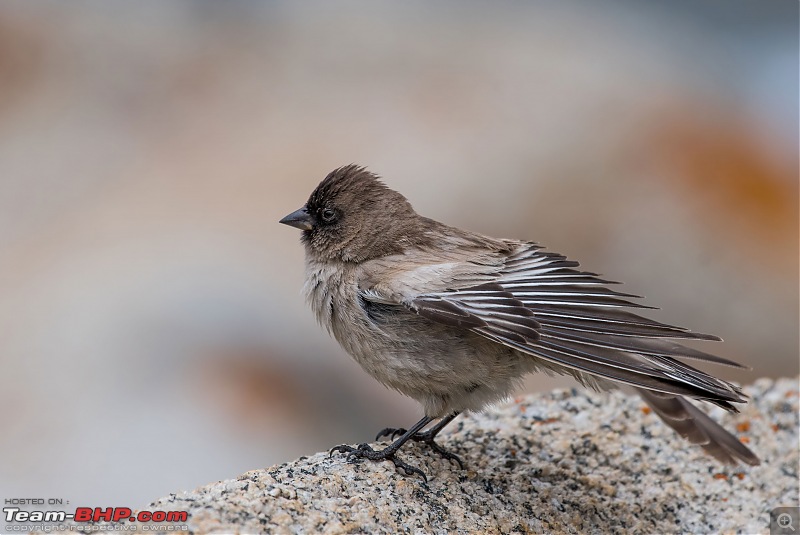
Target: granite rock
{"points": [[571, 461]]}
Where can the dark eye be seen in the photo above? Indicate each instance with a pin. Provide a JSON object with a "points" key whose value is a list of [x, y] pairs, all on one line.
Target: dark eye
{"points": [[328, 215]]}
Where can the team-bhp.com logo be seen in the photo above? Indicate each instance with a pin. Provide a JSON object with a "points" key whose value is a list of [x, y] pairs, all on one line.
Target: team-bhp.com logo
{"points": [[85, 518]]}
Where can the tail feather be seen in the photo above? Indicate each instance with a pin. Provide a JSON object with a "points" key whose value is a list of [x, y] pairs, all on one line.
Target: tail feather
{"points": [[697, 427]]}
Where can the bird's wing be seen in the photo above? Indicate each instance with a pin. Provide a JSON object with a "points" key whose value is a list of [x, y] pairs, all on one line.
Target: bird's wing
{"points": [[487, 309], [539, 303]]}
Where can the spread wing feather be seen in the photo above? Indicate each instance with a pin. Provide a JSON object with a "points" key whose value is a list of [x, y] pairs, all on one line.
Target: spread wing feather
{"points": [[486, 308], [694, 425], [541, 305]]}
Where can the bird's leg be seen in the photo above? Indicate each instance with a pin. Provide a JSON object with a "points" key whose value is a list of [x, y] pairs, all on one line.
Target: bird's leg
{"points": [[427, 437], [365, 451]]}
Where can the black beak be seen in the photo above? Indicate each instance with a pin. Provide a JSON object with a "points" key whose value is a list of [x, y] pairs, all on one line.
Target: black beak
{"points": [[299, 219]]}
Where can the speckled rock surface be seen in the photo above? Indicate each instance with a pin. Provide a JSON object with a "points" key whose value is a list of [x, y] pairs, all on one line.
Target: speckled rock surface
{"points": [[562, 462]]}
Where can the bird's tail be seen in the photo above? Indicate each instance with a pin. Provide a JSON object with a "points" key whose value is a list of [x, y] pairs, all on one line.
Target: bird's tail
{"points": [[694, 425]]}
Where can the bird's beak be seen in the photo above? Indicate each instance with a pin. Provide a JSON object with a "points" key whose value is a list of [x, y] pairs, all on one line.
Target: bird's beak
{"points": [[299, 219]]}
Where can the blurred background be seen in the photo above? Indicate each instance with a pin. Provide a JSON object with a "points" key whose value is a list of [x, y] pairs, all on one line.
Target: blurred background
{"points": [[152, 332]]}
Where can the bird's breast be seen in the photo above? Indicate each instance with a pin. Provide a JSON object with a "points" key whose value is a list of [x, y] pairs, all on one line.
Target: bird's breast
{"points": [[433, 363], [324, 291]]}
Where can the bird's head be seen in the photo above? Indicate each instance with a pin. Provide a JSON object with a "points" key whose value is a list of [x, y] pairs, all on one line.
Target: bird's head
{"points": [[352, 216]]}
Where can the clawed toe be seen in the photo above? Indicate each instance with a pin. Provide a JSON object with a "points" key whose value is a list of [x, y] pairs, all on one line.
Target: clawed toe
{"points": [[365, 451], [390, 432], [446, 454], [342, 448], [408, 469]]}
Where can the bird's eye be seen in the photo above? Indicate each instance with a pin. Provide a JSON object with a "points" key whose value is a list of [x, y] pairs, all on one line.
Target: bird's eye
{"points": [[328, 215]]}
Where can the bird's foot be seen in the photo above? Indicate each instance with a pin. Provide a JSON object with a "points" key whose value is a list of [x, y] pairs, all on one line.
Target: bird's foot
{"points": [[426, 438], [365, 451]]}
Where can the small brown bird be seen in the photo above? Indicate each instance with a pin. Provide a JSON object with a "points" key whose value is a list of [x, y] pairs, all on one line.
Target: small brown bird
{"points": [[455, 319]]}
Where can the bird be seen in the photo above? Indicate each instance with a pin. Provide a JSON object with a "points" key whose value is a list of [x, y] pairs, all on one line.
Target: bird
{"points": [[455, 319]]}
